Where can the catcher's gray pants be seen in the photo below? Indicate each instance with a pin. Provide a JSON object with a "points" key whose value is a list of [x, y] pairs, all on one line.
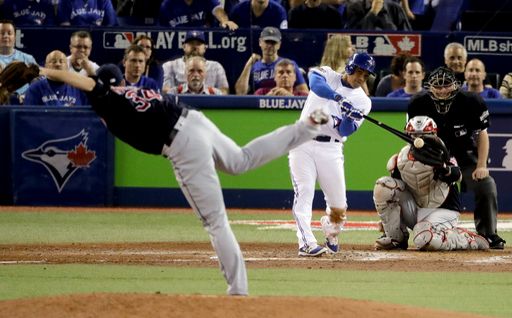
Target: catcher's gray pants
{"points": [[200, 148]]}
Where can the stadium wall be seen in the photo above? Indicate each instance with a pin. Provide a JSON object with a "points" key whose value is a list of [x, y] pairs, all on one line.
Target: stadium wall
{"points": [[121, 176]]}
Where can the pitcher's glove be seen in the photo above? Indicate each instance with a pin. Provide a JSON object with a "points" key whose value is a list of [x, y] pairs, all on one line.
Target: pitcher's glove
{"points": [[433, 153], [17, 74]]}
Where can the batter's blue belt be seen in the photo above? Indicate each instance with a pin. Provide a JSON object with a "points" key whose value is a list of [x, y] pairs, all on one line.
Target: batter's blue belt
{"points": [[177, 126], [323, 138]]}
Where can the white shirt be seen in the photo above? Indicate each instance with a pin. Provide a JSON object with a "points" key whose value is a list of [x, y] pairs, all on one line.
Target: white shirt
{"points": [[83, 72], [356, 96], [174, 74]]}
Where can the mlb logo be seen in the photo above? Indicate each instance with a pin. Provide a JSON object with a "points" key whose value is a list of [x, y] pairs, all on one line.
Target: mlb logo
{"points": [[117, 40], [388, 44]]}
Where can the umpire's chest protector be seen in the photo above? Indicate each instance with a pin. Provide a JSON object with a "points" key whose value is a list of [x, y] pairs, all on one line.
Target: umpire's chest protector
{"points": [[419, 178]]}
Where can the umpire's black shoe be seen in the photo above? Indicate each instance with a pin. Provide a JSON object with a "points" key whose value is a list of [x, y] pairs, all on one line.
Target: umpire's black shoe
{"points": [[495, 242]]}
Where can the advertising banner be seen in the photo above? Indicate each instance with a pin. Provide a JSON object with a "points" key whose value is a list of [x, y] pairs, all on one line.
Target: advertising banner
{"points": [[60, 158]]}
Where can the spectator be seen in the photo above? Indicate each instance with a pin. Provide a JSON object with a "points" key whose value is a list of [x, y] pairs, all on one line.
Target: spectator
{"points": [[134, 63], [284, 76], [196, 73], [153, 67], [414, 74], [261, 13], [193, 13], [80, 46], [475, 75], [506, 86], [29, 12], [395, 80], [194, 45], [51, 93], [338, 48], [86, 13], [455, 58], [375, 15], [138, 12], [9, 54], [313, 14], [260, 69]]}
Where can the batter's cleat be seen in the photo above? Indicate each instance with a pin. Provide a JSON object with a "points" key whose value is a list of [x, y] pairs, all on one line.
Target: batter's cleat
{"points": [[385, 243], [332, 245], [318, 117], [312, 251], [495, 242]]}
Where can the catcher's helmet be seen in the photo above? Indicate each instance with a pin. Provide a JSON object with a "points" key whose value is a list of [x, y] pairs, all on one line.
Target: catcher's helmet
{"points": [[360, 60], [421, 125], [442, 87]]}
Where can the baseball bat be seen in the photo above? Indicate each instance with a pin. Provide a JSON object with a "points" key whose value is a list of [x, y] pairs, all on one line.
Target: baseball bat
{"points": [[392, 130]]}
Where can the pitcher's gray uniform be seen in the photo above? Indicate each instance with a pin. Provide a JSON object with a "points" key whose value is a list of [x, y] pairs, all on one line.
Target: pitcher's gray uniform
{"points": [[158, 124]]}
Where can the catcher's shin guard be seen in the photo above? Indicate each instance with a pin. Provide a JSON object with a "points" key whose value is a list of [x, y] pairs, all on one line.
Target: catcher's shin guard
{"points": [[386, 195]]}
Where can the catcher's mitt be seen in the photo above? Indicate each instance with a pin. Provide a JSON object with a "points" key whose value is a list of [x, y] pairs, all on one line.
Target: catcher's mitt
{"points": [[14, 76], [433, 153]]}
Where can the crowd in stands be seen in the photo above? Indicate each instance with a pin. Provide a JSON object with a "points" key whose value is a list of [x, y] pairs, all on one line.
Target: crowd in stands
{"points": [[266, 73]]}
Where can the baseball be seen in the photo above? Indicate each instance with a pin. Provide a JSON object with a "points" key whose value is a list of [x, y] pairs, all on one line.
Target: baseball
{"points": [[418, 143]]}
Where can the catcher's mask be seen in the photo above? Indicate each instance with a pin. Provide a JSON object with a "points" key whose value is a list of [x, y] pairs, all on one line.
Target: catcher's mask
{"points": [[442, 87], [421, 125]]}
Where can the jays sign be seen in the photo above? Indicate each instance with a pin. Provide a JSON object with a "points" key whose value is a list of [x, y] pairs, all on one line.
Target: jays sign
{"points": [[60, 157]]}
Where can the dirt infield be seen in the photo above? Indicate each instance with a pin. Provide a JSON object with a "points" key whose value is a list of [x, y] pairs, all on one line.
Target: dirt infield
{"points": [[361, 257]]}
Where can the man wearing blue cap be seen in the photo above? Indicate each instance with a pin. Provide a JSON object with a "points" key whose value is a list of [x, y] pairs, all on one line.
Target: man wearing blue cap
{"points": [[159, 124], [194, 45]]}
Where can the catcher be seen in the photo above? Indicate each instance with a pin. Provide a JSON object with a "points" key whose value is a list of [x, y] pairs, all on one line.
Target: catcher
{"points": [[14, 76], [421, 195]]}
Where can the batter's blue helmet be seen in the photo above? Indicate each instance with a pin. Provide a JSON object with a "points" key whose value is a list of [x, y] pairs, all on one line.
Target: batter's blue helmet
{"points": [[361, 60]]}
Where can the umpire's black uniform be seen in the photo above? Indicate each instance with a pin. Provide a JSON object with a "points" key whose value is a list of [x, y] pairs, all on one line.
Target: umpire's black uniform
{"points": [[467, 115]]}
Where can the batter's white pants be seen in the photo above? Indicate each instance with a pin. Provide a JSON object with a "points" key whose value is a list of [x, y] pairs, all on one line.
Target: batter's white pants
{"points": [[310, 162], [197, 150]]}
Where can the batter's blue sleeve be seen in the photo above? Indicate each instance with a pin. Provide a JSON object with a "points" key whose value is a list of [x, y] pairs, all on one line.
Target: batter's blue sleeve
{"points": [[347, 126], [319, 85]]}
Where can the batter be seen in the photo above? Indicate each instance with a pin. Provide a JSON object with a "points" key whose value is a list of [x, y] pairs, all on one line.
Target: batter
{"points": [[321, 158]]}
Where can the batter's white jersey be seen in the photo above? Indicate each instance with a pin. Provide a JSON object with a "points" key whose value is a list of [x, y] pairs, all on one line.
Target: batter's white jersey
{"points": [[356, 96], [322, 159]]}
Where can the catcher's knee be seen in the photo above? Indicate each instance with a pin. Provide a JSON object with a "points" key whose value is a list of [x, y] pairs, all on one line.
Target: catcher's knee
{"points": [[387, 189]]}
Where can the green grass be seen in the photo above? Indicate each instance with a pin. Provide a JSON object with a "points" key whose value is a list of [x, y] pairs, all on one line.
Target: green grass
{"points": [[479, 293]]}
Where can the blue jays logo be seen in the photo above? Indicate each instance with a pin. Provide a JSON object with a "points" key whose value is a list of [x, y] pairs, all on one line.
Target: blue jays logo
{"points": [[62, 157], [336, 121]]}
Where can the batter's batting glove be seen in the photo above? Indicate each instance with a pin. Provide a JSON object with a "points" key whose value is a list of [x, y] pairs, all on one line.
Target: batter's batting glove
{"points": [[348, 109]]}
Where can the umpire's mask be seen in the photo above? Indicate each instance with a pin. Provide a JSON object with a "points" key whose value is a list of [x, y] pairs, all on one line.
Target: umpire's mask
{"points": [[442, 87]]}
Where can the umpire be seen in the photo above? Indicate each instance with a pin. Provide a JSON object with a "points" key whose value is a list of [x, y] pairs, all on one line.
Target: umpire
{"points": [[462, 119]]}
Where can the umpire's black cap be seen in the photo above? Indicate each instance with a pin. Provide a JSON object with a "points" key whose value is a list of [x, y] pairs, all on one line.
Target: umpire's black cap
{"points": [[109, 75]]}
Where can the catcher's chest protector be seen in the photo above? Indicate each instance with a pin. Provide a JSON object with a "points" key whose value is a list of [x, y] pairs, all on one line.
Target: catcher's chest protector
{"points": [[419, 178]]}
